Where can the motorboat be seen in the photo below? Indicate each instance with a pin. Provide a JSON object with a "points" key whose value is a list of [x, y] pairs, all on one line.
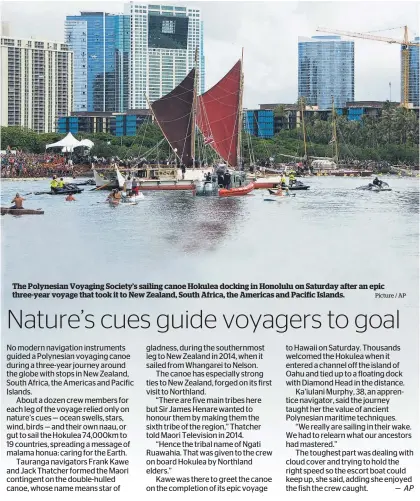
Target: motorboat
{"points": [[68, 189], [295, 186]]}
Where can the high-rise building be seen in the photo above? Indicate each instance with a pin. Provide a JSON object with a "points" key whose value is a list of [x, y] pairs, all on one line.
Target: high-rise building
{"points": [[101, 46], [164, 42], [413, 75], [326, 70], [36, 83]]}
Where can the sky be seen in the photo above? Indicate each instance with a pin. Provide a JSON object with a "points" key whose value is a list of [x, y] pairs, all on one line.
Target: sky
{"points": [[268, 32]]}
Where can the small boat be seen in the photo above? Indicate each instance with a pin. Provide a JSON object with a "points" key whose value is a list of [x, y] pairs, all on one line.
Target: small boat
{"points": [[274, 192], [68, 189], [20, 212], [373, 187], [132, 198], [102, 183], [121, 202], [208, 186], [296, 186], [236, 192]]}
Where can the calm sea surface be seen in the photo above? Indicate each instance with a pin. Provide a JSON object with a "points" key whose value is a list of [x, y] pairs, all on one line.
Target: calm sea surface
{"points": [[332, 232]]}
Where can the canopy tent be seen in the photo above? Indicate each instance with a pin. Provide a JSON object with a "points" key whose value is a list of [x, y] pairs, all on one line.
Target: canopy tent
{"points": [[87, 143], [69, 143]]}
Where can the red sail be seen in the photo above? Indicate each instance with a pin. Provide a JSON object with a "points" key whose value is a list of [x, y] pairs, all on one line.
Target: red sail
{"points": [[218, 115], [173, 113]]}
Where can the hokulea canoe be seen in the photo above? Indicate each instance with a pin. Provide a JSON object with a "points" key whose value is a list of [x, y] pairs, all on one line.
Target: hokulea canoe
{"points": [[20, 212]]}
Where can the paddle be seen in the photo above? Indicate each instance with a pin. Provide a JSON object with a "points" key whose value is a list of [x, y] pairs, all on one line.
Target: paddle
{"points": [[100, 187]]}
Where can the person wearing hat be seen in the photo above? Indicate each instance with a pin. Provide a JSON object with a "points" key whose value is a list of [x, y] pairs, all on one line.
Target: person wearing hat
{"points": [[18, 201]]}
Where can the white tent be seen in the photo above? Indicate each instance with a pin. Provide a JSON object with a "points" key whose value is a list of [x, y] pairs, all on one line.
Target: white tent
{"points": [[87, 143], [69, 143]]}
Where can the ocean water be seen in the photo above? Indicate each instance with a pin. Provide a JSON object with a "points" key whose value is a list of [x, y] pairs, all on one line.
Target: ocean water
{"points": [[330, 232]]}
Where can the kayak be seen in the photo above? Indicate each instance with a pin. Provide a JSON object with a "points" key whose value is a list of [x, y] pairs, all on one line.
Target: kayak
{"points": [[20, 212]]}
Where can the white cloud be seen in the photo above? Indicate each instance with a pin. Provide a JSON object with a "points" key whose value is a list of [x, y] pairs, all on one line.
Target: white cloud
{"points": [[268, 31]]}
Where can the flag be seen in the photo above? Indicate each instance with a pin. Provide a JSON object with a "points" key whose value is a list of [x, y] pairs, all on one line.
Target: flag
{"points": [[208, 140]]}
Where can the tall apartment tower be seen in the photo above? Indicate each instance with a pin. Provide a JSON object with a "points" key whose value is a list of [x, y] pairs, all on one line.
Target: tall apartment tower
{"points": [[36, 83], [413, 79], [326, 70], [101, 46], [164, 40]]}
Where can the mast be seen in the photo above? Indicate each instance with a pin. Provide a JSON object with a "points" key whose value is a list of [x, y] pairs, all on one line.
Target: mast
{"points": [[303, 128], [194, 108], [335, 145], [240, 113]]}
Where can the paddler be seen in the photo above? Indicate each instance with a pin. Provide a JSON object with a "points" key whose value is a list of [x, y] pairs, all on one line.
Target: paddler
{"points": [[114, 196], [54, 183], [18, 201], [279, 192]]}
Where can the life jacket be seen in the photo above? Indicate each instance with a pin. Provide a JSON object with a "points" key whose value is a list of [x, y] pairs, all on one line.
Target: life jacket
{"points": [[54, 183], [60, 184]]}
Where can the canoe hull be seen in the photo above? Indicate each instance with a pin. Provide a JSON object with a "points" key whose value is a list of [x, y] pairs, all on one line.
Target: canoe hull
{"points": [[20, 212], [266, 184], [166, 186], [236, 192]]}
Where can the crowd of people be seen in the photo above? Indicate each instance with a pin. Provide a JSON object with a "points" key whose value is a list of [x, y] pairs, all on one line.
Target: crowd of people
{"points": [[31, 165]]}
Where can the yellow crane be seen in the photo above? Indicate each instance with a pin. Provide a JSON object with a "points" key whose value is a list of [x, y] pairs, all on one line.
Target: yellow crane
{"points": [[405, 43]]}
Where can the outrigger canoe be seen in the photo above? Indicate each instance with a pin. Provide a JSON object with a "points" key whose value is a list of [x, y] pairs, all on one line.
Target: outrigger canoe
{"points": [[20, 212]]}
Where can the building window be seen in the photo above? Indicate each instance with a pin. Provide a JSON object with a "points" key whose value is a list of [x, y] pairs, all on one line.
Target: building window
{"points": [[168, 26]]}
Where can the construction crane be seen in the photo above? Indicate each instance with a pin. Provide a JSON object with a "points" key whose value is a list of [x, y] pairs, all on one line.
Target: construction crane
{"points": [[405, 43]]}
